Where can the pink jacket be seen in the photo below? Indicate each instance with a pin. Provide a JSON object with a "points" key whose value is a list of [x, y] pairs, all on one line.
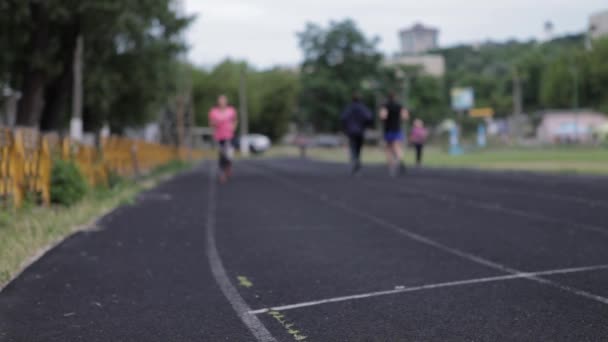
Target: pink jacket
{"points": [[418, 135], [223, 122]]}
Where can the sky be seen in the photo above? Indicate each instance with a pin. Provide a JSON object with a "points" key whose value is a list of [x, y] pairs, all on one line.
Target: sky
{"points": [[263, 32]]}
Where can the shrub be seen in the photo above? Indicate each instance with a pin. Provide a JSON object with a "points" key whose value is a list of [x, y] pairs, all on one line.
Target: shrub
{"points": [[115, 180], [68, 185]]}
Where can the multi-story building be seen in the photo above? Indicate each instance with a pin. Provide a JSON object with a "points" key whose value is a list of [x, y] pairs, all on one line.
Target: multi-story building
{"points": [[416, 42], [418, 39], [598, 24], [430, 64]]}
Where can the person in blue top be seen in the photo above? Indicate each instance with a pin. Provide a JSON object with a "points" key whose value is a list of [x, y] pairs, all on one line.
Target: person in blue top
{"points": [[392, 114], [355, 118]]}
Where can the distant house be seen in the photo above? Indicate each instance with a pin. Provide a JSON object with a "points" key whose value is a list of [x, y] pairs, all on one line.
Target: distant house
{"points": [[430, 64], [598, 24], [418, 39], [416, 43], [569, 126]]}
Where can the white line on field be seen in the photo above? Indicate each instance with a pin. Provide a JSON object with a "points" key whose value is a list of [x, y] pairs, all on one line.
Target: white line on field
{"points": [[430, 242], [428, 287], [219, 273]]}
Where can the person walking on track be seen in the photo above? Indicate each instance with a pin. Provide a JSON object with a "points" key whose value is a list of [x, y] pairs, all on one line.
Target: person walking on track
{"points": [[223, 120], [392, 114], [355, 118], [418, 136]]}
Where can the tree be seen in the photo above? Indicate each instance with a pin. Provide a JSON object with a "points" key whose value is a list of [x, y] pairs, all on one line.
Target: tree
{"points": [[337, 60], [130, 50], [598, 74], [422, 94], [272, 95], [277, 91], [490, 70]]}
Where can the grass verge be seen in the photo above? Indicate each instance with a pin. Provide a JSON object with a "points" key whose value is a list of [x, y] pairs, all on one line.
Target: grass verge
{"points": [[584, 160], [27, 232]]}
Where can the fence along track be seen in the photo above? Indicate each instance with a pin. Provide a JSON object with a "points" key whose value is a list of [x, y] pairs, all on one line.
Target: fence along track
{"points": [[26, 161]]}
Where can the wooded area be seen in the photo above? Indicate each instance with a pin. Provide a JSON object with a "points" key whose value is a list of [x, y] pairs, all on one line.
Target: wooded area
{"points": [[563, 73], [129, 57], [132, 70]]}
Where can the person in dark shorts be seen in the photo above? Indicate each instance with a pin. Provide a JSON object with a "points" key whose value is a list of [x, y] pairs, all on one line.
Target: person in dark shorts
{"points": [[223, 119], [355, 118], [392, 114]]}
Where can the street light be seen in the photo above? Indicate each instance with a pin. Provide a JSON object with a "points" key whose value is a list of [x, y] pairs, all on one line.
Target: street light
{"points": [[403, 76], [575, 99]]}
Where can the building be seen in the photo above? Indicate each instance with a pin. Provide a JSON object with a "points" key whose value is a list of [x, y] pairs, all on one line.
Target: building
{"points": [[433, 65], [418, 39], [416, 42], [598, 24], [569, 126]]}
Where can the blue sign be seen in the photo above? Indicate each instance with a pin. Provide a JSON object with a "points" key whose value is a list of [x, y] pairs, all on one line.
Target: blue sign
{"points": [[481, 135], [462, 98]]}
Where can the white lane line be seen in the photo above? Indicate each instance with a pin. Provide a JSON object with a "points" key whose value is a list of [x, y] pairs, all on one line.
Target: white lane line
{"points": [[219, 273], [428, 287], [550, 196], [428, 241], [496, 207], [490, 188]]}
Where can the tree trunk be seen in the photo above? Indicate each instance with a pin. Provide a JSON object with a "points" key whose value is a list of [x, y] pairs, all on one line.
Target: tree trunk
{"points": [[56, 97], [59, 89], [35, 76], [32, 99]]}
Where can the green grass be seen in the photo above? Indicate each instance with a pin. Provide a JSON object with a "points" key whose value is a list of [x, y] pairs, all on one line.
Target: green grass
{"points": [[587, 160], [28, 231]]}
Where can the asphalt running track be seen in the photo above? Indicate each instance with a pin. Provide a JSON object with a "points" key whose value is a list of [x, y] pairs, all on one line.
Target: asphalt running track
{"points": [[295, 250]]}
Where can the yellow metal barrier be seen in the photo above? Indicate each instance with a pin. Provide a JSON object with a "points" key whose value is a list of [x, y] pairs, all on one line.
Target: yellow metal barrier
{"points": [[25, 166], [26, 161]]}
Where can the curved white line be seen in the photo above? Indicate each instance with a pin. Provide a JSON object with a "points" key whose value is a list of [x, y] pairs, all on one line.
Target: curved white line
{"points": [[221, 278]]}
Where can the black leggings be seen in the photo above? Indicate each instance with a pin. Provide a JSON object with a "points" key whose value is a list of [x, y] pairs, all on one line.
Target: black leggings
{"points": [[225, 157], [419, 148], [356, 142]]}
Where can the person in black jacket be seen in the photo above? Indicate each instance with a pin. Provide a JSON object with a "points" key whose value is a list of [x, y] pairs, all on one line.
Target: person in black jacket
{"points": [[355, 118]]}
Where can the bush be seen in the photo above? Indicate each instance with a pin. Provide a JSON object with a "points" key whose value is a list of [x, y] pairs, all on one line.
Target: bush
{"points": [[68, 185], [115, 180]]}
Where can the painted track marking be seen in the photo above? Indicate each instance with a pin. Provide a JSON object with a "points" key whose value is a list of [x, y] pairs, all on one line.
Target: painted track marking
{"points": [[549, 196], [428, 241], [428, 287], [496, 207], [221, 278]]}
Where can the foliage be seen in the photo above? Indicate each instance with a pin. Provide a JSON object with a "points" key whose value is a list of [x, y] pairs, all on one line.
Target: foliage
{"points": [[68, 185], [130, 53], [422, 94], [560, 73], [338, 59], [271, 95]]}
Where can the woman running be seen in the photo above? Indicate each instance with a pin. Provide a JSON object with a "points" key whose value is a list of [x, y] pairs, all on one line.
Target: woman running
{"points": [[418, 136], [391, 114], [223, 119]]}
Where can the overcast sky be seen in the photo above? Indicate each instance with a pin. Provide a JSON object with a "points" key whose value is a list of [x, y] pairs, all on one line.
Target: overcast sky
{"points": [[264, 31]]}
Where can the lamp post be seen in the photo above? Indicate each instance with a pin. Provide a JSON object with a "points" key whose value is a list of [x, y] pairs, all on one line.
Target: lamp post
{"points": [[244, 125], [575, 99]]}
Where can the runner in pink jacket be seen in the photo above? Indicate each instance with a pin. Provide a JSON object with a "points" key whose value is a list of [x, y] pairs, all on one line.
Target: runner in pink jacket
{"points": [[418, 137], [223, 119]]}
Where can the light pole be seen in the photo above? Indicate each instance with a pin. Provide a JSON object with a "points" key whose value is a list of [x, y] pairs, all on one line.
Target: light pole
{"points": [[77, 92], [244, 126], [404, 78], [575, 100]]}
